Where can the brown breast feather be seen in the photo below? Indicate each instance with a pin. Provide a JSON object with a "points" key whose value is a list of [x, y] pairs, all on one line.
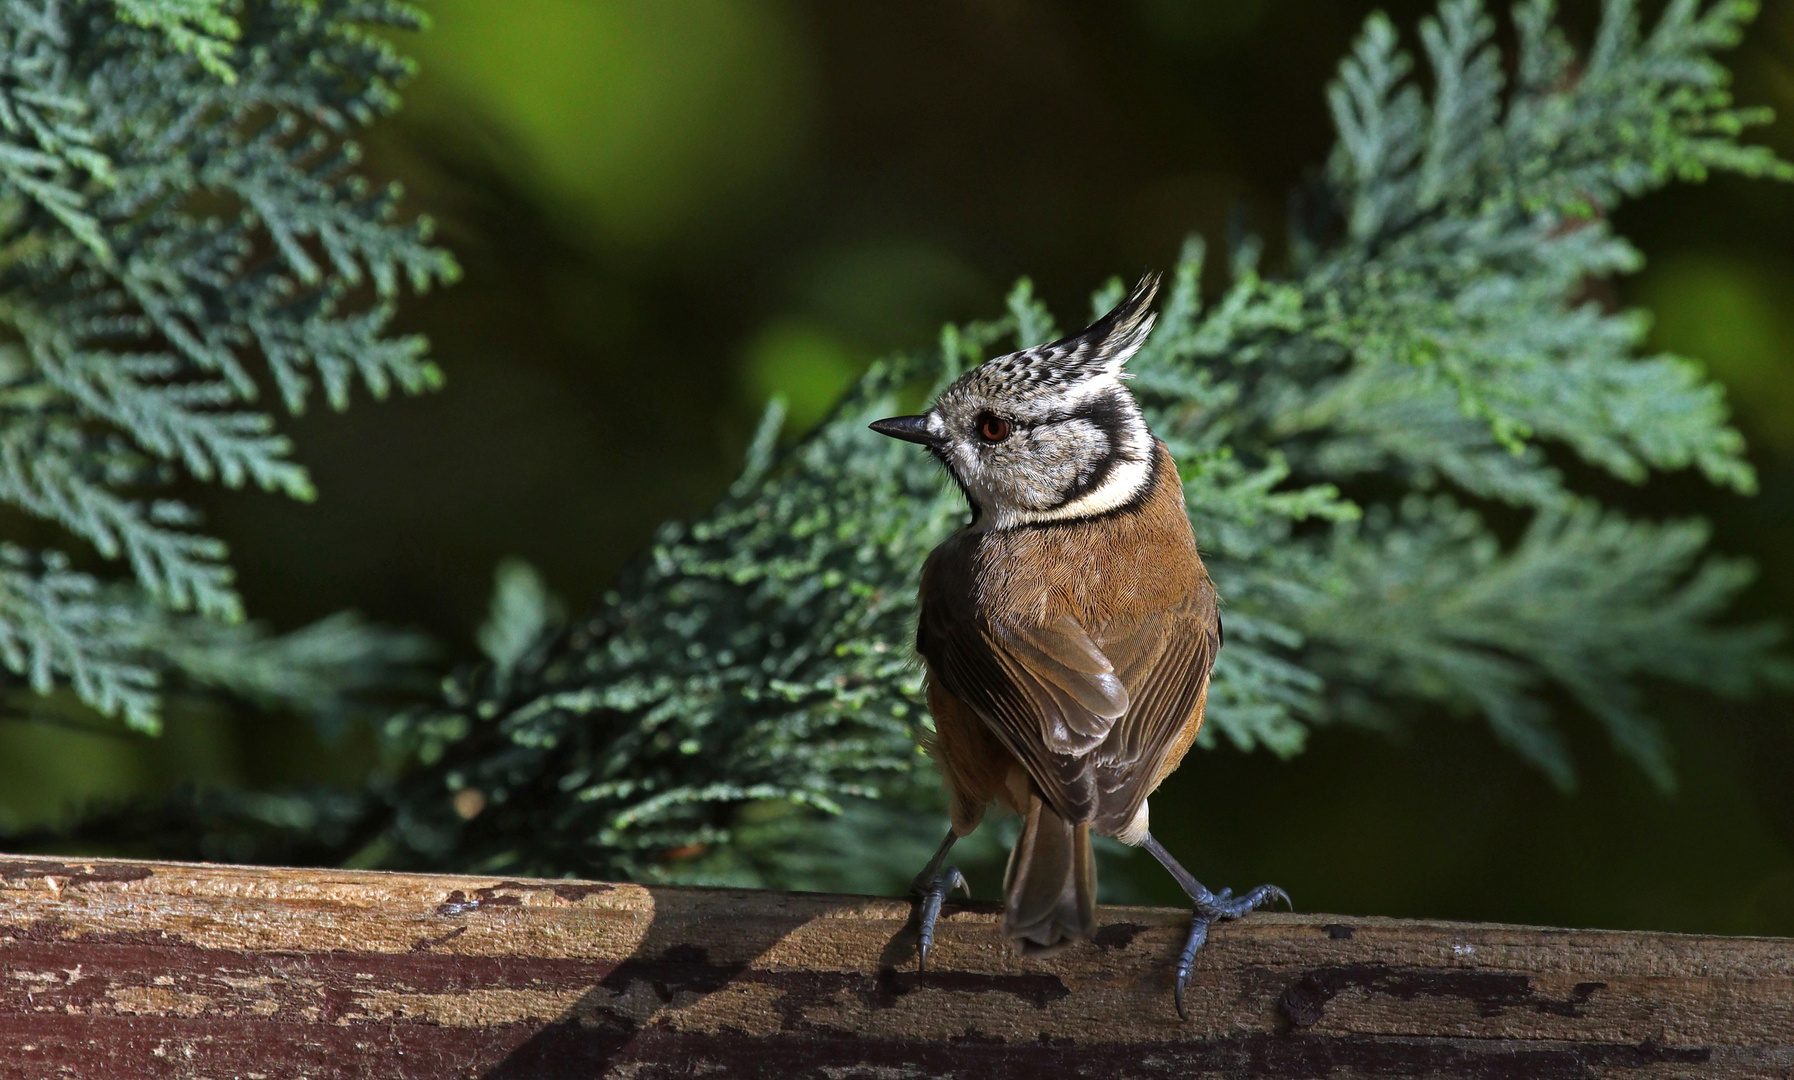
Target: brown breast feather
{"points": [[1002, 612]]}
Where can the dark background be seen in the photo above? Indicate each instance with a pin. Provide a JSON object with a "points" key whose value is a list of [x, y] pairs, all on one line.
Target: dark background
{"points": [[668, 211]]}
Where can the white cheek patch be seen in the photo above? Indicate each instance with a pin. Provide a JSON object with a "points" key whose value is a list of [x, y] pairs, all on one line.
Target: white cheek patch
{"points": [[1125, 481], [1059, 458], [1086, 445], [1078, 447]]}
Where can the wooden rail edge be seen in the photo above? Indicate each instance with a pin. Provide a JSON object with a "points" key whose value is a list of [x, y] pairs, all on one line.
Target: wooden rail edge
{"points": [[116, 969]]}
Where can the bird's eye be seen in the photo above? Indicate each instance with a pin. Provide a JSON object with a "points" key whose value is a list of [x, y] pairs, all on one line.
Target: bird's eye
{"points": [[993, 428]]}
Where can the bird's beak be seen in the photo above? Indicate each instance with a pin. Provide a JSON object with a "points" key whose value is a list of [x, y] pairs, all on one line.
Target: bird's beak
{"points": [[908, 428]]}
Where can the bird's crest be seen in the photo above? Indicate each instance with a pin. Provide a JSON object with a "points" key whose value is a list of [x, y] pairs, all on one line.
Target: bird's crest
{"points": [[1099, 349]]}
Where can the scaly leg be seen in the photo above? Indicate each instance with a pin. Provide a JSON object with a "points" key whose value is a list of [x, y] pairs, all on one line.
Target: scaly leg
{"points": [[931, 888], [1210, 907]]}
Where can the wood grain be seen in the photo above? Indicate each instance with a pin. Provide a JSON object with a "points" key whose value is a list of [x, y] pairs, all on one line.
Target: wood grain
{"points": [[115, 969]]}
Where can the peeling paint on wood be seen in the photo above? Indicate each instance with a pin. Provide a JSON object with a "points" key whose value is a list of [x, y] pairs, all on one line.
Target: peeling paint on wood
{"points": [[160, 970]]}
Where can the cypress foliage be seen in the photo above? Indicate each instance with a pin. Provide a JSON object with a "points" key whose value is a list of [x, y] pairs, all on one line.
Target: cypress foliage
{"points": [[1343, 430], [741, 703], [182, 229]]}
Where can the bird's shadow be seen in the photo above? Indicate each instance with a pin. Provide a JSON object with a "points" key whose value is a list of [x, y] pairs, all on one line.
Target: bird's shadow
{"points": [[612, 1024]]}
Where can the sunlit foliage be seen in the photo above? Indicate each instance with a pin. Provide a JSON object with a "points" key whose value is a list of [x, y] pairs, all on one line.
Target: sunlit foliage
{"points": [[183, 230], [1377, 441], [1345, 429]]}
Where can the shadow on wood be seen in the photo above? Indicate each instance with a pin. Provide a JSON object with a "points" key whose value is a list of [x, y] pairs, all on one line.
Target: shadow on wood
{"points": [[113, 969]]}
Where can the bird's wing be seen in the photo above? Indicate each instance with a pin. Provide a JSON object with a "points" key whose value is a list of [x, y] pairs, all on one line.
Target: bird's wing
{"points": [[1164, 659], [1047, 691]]}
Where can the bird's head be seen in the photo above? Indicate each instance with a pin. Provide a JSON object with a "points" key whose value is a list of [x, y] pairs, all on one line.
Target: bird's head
{"points": [[1048, 433]]}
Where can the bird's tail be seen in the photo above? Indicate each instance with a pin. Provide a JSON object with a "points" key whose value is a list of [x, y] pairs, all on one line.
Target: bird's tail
{"points": [[1049, 891]]}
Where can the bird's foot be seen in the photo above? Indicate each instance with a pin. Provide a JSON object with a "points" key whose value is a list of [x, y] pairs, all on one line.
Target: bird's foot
{"points": [[930, 895], [1211, 908]]}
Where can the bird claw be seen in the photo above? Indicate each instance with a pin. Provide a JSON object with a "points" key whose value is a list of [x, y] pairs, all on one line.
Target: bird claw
{"points": [[1225, 905], [930, 895], [1212, 908]]}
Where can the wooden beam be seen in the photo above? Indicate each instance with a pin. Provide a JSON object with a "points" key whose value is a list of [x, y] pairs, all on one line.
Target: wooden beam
{"points": [[112, 969]]}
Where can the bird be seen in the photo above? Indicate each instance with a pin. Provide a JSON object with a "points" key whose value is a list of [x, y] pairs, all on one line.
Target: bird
{"points": [[1068, 630]]}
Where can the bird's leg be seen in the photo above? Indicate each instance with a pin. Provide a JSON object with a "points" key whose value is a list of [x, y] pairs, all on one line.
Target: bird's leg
{"points": [[931, 888], [1210, 907]]}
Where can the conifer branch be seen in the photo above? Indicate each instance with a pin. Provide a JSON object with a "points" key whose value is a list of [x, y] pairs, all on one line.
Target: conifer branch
{"points": [[742, 703], [1436, 344], [153, 153]]}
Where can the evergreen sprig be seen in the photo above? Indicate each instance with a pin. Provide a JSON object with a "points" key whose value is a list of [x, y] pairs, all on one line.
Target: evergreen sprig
{"points": [[182, 224], [741, 704], [1431, 348]]}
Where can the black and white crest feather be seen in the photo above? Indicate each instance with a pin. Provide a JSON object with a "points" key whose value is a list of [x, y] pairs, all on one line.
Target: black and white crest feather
{"points": [[1098, 350]]}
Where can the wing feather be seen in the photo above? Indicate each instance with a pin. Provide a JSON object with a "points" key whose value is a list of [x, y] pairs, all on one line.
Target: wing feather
{"points": [[1093, 718], [1166, 698], [1035, 687]]}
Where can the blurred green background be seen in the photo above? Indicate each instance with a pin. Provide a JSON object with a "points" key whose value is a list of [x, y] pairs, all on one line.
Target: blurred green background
{"points": [[669, 211]]}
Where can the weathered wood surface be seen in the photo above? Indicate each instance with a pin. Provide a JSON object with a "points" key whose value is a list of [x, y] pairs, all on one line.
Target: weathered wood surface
{"points": [[126, 970]]}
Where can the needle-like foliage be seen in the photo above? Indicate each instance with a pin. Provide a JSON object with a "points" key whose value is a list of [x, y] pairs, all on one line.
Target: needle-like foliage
{"points": [[182, 228], [1342, 429], [1427, 362]]}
